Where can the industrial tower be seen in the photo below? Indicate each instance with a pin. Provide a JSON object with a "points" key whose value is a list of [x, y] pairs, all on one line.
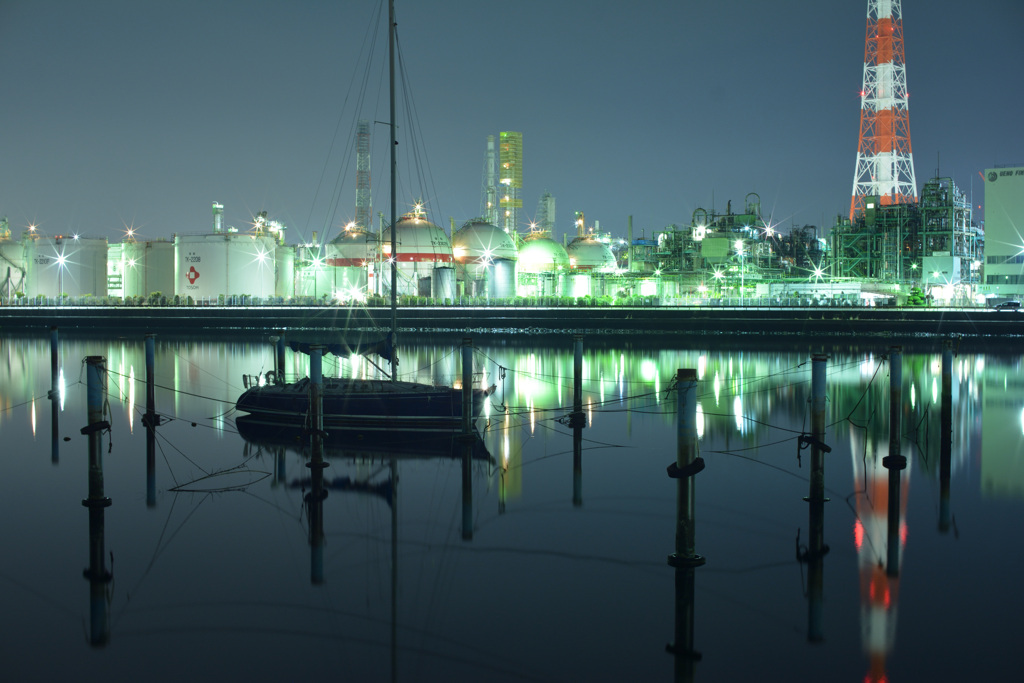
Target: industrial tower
{"points": [[489, 195], [511, 179], [885, 166], [364, 211]]}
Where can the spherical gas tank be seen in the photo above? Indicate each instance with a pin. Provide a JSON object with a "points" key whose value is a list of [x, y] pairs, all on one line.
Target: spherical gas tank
{"points": [[589, 254]]}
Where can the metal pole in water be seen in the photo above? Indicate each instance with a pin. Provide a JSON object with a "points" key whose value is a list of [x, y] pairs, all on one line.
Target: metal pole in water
{"points": [[816, 499], [467, 438], [467, 385], [150, 420], [279, 364], [895, 462], [946, 447], [96, 572], [685, 560], [577, 420], [315, 498], [54, 369]]}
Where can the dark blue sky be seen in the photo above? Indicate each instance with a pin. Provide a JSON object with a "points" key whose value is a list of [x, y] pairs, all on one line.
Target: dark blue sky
{"points": [[144, 112]]}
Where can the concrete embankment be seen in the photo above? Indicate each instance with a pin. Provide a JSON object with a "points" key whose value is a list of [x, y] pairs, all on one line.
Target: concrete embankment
{"points": [[606, 321]]}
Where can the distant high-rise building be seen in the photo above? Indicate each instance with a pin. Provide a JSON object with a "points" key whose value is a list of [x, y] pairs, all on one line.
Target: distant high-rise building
{"points": [[546, 212], [511, 179], [364, 210], [489, 193], [885, 166]]}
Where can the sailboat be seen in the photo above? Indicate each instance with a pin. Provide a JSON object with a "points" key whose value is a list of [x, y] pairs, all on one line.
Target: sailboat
{"points": [[368, 404]]}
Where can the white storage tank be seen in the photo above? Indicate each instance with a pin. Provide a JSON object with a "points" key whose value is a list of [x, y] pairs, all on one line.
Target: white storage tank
{"points": [[542, 255], [284, 275], [443, 283], [422, 247], [589, 254], [231, 263], [501, 279], [140, 268], [75, 266], [351, 255]]}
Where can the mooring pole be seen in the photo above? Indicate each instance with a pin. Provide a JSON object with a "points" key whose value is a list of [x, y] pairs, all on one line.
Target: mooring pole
{"points": [[96, 573], [467, 385], [577, 420], [54, 366], [315, 498], [150, 420], [685, 560], [895, 462], [467, 439], [946, 443], [54, 396], [816, 500], [279, 364]]}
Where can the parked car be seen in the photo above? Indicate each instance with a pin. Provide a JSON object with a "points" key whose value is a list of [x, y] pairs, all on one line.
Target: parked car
{"points": [[1008, 306]]}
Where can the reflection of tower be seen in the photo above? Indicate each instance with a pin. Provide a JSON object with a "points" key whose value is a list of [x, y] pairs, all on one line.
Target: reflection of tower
{"points": [[511, 179], [363, 208], [885, 166], [489, 196], [878, 590]]}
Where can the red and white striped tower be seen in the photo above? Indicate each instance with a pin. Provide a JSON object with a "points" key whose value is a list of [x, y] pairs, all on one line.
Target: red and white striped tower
{"points": [[885, 165]]}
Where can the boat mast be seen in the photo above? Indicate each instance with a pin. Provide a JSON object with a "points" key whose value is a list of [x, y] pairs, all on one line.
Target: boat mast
{"points": [[394, 201]]}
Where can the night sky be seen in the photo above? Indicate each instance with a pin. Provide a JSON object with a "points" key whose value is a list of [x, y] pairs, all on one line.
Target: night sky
{"points": [[142, 113]]}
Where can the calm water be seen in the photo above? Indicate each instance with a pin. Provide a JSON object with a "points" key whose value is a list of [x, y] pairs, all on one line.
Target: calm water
{"points": [[552, 574]]}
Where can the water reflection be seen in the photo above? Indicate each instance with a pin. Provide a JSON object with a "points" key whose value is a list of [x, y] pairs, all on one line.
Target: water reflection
{"points": [[403, 582]]}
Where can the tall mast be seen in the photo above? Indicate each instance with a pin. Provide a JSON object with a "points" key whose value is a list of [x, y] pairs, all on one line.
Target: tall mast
{"points": [[394, 201], [885, 164]]}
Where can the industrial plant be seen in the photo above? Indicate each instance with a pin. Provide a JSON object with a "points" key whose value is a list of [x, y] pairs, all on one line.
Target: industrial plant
{"points": [[896, 244]]}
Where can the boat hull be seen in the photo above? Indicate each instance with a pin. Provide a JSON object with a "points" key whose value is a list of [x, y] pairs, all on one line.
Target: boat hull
{"points": [[367, 405]]}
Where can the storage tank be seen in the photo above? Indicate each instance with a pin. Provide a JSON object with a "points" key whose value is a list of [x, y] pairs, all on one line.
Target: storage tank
{"points": [[542, 255], [589, 254], [75, 266], [422, 247], [501, 279], [140, 268], [475, 247], [230, 263], [284, 275], [350, 255], [443, 281]]}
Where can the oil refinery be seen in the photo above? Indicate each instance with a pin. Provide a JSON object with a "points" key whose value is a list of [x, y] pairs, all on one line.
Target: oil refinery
{"points": [[897, 244]]}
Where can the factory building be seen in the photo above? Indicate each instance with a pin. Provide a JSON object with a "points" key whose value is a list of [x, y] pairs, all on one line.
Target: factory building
{"points": [[931, 243], [1004, 246]]}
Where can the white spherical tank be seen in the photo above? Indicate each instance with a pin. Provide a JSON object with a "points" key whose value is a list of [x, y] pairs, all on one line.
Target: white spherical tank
{"points": [[477, 244], [75, 266], [13, 269], [542, 255], [207, 266], [589, 254], [422, 246], [141, 268], [350, 255]]}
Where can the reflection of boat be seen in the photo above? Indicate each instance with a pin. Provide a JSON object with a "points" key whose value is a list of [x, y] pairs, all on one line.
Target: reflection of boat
{"points": [[361, 443]]}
